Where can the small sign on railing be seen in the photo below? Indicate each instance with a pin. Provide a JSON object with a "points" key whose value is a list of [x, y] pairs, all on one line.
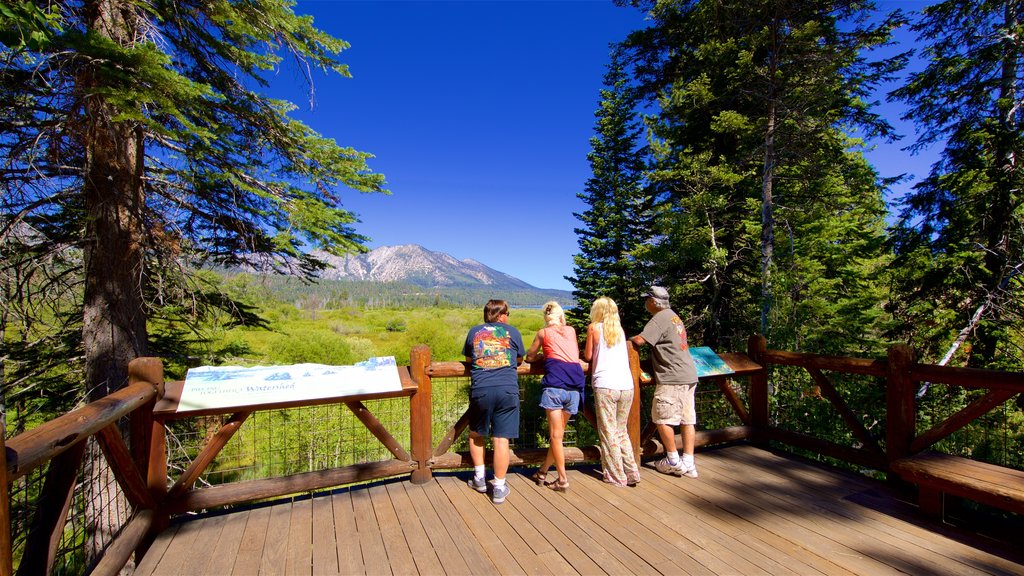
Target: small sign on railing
{"points": [[211, 387], [708, 363]]}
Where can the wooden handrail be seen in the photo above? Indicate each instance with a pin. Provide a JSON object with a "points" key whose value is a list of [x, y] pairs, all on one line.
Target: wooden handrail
{"points": [[31, 449]]}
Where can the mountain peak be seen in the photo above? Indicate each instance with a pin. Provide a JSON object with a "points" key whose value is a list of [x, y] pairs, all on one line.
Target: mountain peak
{"points": [[414, 264]]}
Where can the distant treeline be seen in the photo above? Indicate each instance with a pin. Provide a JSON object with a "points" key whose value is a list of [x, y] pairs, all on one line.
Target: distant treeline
{"points": [[330, 294]]}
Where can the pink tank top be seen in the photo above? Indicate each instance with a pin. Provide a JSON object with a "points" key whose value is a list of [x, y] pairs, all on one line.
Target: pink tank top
{"points": [[559, 343]]}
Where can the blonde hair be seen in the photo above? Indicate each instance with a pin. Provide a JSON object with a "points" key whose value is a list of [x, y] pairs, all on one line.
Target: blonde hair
{"points": [[604, 311], [553, 314]]}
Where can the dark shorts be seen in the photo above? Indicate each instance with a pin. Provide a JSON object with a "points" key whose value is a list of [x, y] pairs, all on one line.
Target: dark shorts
{"points": [[494, 411], [560, 399]]}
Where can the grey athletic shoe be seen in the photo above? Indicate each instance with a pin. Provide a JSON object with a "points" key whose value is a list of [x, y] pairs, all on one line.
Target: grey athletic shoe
{"points": [[690, 472], [478, 484], [666, 467], [499, 493]]}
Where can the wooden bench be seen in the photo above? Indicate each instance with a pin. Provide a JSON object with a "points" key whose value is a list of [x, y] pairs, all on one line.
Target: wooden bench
{"points": [[936, 474]]}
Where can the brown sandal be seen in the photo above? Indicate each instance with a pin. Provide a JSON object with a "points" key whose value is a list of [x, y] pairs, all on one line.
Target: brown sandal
{"points": [[558, 485], [540, 478]]}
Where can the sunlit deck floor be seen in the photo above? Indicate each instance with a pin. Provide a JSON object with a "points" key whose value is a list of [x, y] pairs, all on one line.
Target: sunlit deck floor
{"points": [[750, 512]]}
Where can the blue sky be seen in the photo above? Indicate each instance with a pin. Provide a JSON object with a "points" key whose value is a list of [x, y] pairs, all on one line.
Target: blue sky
{"points": [[479, 114]]}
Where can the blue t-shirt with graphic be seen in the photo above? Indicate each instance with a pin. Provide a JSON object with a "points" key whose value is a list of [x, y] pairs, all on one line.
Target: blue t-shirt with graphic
{"points": [[493, 350]]}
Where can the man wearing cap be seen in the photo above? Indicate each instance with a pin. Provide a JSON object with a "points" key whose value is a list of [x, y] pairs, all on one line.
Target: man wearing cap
{"points": [[676, 378]]}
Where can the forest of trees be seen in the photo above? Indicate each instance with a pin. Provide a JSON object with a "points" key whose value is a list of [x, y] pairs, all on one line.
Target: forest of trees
{"points": [[728, 164], [138, 153]]}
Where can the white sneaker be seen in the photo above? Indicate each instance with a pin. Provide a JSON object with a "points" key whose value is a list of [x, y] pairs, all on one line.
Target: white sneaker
{"points": [[690, 472], [666, 467]]}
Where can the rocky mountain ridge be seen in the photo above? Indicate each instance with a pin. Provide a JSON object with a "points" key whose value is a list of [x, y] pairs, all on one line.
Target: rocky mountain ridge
{"points": [[414, 264]]}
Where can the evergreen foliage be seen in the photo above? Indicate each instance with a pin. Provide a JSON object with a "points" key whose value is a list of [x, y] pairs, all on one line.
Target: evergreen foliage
{"points": [[766, 208], [134, 137], [617, 223], [960, 236]]}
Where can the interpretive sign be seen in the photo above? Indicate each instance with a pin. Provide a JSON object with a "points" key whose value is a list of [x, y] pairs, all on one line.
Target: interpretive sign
{"points": [[708, 363], [209, 387]]}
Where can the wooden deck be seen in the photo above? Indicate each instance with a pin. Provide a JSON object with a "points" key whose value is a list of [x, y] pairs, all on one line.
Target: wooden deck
{"points": [[750, 512]]}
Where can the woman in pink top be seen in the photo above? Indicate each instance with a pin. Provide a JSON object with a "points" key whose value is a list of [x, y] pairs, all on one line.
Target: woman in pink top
{"points": [[562, 386]]}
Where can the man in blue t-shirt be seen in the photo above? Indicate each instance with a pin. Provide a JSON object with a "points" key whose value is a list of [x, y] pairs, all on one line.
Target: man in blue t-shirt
{"points": [[493, 350]]}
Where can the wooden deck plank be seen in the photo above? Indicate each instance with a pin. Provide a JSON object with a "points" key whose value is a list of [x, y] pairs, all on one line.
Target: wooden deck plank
{"points": [[467, 506], [466, 543], [299, 559], [204, 547], [697, 553], [371, 544], [154, 555], [750, 512], [831, 512], [179, 549], [250, 549], [346, 535], [275, 549], [324, 550], [563, 545], [397, 547], [955, 557], [609, 551], [226, 552], [424, 554], [810, 534]]}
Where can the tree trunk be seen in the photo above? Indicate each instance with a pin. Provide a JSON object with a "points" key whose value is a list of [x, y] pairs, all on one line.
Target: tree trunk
{"points": [[767, 203], [114, 320], [1004, 183]]}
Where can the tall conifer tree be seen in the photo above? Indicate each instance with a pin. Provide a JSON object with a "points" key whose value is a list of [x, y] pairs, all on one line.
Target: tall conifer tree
{"points": [[135, 142], [961, 234], [617, 222], [756, 102]]}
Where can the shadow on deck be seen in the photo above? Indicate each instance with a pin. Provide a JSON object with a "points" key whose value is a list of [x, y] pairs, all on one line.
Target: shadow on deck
{"points": [[750, 512]]}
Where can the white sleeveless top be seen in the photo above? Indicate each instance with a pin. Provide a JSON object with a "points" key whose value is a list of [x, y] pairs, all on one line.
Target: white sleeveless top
{"points": [[610, 365]]}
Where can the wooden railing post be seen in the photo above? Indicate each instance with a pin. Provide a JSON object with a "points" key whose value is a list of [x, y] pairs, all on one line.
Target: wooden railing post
{"points": [[756, 346], [420, 415], [633, 424], [149, 443], [6, 550], [901, 418]]}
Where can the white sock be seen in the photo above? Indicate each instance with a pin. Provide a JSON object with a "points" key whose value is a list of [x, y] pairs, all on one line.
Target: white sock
{"points": [[688, 460], [480, 471], [499, 482], [673, 458]]}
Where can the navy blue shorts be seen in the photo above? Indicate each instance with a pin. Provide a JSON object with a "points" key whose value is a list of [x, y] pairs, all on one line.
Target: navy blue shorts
{"points": [[494, 411], [560, 399]]}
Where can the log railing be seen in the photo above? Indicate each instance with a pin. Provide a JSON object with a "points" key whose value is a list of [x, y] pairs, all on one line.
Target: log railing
{"points": [[141, 465]]}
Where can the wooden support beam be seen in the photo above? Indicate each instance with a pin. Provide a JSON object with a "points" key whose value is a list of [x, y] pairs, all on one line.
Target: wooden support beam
{"points": [[851, 420], [52, 511], [208, 455], [378, 430], [965, 416], [123, 467], [420, 415]]}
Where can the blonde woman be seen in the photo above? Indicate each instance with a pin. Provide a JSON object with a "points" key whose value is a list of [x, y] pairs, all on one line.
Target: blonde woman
{"points": [[613, 391], [562, 387]]}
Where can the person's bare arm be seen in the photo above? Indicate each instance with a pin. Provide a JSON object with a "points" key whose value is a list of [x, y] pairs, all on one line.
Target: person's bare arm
{"points": [[533, 354], [588, 348]]}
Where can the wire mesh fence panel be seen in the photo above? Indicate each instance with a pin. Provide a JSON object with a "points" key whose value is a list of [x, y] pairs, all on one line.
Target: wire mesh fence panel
{"points": [[276, 443], [996, 437], [799, 404], [98, 511]]}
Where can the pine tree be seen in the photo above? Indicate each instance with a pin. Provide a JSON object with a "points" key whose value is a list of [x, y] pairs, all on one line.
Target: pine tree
{"points": [[135, 141], [617, 221], [137, 136], [756, 103], [961, 232]]}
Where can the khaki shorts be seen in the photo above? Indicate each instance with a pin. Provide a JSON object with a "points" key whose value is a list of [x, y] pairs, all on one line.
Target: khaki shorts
{"points": [[674, 404]]}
